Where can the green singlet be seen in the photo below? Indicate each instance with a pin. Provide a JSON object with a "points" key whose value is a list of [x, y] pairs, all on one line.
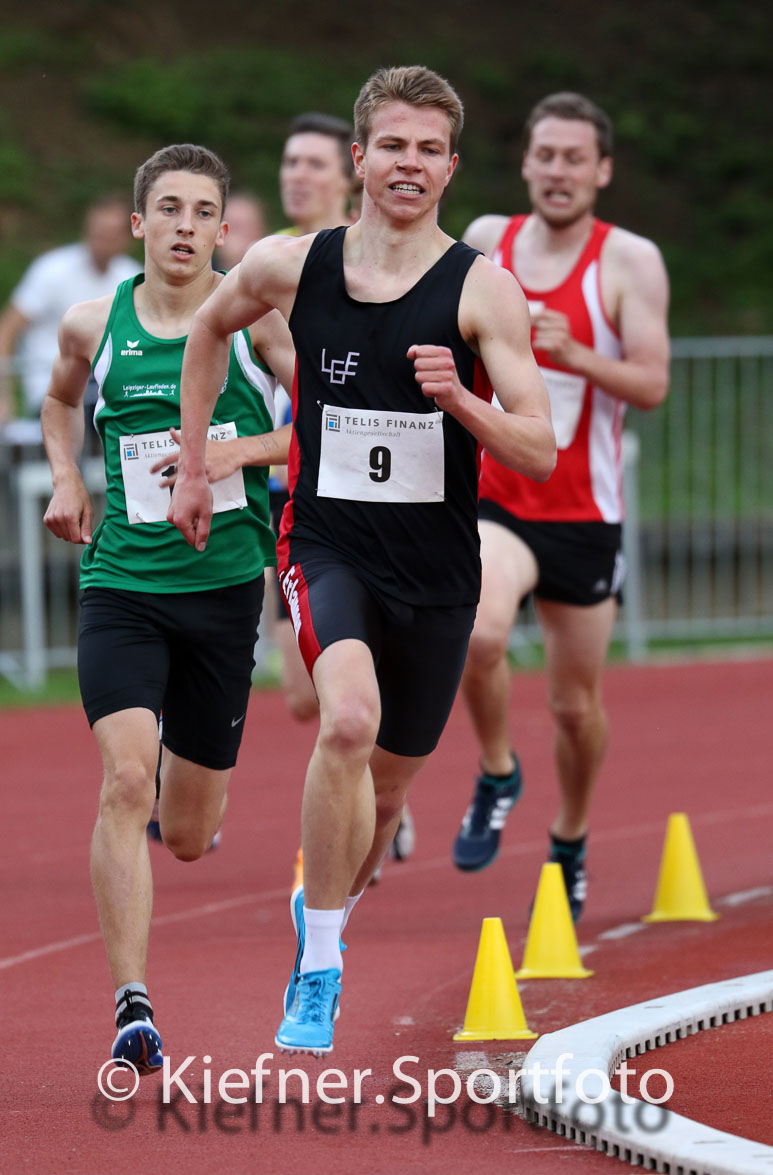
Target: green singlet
{"points": [[134, 547]]}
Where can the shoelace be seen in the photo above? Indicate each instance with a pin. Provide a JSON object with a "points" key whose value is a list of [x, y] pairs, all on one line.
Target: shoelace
{"points": [[310, 1001], [485, 804], [133, 1006]]}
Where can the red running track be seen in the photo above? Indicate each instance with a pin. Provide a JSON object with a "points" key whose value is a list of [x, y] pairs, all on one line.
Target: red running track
{"points": [[690, 738]]}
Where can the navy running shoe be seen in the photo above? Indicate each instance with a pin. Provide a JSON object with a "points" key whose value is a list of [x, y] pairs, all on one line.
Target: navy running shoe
{"points": [[571, 857], [477, 844], [138, 1041]]}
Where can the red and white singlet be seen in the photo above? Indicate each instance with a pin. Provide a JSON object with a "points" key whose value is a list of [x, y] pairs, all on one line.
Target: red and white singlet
{"points": [[586, 485]]}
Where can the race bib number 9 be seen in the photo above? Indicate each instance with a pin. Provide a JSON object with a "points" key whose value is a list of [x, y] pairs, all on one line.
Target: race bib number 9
{"points": [[381, 456], [146, 500]]}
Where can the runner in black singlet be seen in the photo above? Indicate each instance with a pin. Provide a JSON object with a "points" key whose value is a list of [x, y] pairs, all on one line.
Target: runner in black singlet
{"points": [[392, 323]]}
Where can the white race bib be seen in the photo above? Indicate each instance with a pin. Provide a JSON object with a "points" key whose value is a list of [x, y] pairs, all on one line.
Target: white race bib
{"points": [[146, 500], [566, 392], [368, 456]]}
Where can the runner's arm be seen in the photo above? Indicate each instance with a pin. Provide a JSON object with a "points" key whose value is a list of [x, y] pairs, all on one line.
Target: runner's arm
{"points": [[263, 281], [494, 320], [69, 514], [639, 290], [224, 457]]}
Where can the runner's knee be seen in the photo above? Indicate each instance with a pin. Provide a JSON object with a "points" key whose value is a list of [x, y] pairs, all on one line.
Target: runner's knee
{"points": [[302, 703], [128, 789], [187, 844], [488, 644], [578, 713], [351, 726]]}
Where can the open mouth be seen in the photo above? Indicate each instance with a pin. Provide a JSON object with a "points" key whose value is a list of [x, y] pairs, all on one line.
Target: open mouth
{"points": [[410, 189], [558, 196], [182, 250]]}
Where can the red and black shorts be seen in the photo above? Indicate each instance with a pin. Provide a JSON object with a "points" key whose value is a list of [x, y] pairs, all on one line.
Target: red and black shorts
{"points": [[418, 652]]}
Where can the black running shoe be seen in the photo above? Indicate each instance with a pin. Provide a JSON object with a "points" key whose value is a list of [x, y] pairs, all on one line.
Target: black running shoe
{"points": [[477, 844], [570, 855]]}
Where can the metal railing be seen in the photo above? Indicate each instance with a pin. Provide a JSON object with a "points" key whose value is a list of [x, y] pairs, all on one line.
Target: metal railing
{"points": [[706, 493], [698, 536]]}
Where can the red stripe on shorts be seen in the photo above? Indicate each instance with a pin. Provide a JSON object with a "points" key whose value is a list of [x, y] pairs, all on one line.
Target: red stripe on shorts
{"points": [[295, 593]]}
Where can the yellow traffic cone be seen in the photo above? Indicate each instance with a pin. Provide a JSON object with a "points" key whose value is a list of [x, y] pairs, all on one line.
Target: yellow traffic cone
{"points": [[551, 945], [494, 1009], [298, 869], [681, 894]]}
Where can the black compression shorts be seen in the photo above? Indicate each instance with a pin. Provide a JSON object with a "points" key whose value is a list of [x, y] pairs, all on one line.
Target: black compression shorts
{"points": [[188, 654], [418, 652]]}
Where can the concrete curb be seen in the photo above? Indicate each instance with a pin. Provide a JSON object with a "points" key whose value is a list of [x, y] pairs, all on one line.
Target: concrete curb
{"points": [[583, 1056]]}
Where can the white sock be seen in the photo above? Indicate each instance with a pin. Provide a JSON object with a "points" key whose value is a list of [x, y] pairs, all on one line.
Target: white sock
{"points": [[139, 994], [322, 949], [349, 905]]}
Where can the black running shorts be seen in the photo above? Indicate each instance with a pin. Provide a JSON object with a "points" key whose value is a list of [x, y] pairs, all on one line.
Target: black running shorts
{"points": [[188, 654], [418, 652], [579, 562]]}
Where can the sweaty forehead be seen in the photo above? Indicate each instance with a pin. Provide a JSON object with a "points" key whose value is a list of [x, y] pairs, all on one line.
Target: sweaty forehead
{"points": [[563, 134]]}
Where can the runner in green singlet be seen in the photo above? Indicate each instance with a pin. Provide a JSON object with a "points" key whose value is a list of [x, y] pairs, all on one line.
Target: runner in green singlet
{"points": [[162, 628]]}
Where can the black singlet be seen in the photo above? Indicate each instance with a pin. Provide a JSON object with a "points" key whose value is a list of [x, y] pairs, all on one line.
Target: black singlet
{"points": [[377, 475]]}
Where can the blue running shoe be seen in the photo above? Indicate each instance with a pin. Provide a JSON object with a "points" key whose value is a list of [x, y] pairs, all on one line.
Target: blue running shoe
{"points": [[299, 926], [138, 1040], [477, 844], [308, 1026]]}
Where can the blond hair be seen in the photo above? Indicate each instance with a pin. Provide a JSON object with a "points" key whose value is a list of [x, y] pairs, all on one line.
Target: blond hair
{"points": [[413, 84]]}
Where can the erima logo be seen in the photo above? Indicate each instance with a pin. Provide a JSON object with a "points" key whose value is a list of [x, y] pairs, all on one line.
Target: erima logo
{"points": [[131, 344], [339, 369], [289, 586]]}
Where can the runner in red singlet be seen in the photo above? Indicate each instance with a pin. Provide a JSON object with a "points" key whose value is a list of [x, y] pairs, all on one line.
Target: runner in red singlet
{"points": [[598, 300]]}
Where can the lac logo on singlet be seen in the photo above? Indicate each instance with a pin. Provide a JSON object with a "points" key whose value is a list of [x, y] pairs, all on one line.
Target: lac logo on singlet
{"points": [[339, 369]]}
